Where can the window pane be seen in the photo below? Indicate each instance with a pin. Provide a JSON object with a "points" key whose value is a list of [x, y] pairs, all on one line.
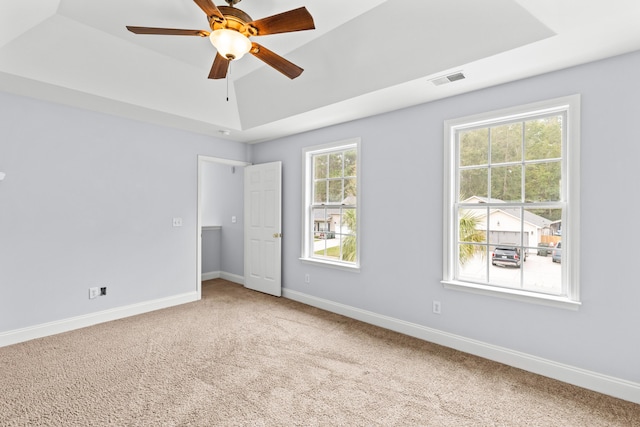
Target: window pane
{"points": [[349, 248], [335, 191], [473, 182], [320, 222], [494, 227], [328, 246], [474, 147], [335, 165], [473, 225], [543, 138], [348, 235], [543, 275], [542, 182], [348, 222], [350, 191], [472, 263], [505, 227], [504, 276], [506, 143], [506, 183], [350, 158], [549, 221], [320, 192], [506, 264], [320, 166]]}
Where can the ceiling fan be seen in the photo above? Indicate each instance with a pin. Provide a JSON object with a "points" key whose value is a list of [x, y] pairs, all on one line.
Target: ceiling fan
{"points": [[230, 32]]}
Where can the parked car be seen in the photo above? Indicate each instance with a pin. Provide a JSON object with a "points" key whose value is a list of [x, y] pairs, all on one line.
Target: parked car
{"points": [[544, 249], [556, 256], [507, 256], [324, 235]]}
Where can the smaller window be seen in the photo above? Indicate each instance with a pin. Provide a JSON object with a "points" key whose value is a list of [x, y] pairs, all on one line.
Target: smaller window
{"points": [[331, 204]]}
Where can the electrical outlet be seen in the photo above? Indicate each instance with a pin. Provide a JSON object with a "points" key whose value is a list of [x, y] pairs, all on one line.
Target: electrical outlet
{"points": [[177, 222], [94, 292], [437, 307], [307, 278]]}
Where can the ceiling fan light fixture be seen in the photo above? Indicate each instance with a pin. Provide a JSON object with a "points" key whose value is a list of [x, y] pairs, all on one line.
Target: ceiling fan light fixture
{"points": [[230, 44]]}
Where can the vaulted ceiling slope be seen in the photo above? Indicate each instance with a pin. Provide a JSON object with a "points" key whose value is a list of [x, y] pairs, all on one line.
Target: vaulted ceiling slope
{"points": [[363, 58]]}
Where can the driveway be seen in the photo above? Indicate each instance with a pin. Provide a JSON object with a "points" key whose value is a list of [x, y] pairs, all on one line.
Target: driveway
{"points": [[537, 274]]}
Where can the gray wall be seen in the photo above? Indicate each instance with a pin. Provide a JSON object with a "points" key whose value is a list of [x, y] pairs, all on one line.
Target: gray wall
{"points": [[402, 186], [222, 199], [88, 201], [211, 256]]}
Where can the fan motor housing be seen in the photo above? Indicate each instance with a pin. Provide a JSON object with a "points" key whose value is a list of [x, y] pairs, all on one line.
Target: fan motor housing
{"points": [[235, 19]]}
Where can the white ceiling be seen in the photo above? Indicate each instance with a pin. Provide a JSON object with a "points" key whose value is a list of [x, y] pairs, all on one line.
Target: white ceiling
{"points": [[364, 57]]}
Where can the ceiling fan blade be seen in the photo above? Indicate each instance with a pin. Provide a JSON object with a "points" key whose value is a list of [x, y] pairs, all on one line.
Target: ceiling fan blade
{"points": [[210, 9], [167, 31], [219, 67], [287, 68], [294, 20]]}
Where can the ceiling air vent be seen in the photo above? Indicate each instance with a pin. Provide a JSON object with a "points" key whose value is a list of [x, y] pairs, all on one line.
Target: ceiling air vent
{"points": [[438, 81]]}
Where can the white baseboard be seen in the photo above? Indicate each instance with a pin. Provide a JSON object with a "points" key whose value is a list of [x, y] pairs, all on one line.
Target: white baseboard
{"points": [[600, 383], [65, 325], [232, 278], [222, 275], [210, 276]]}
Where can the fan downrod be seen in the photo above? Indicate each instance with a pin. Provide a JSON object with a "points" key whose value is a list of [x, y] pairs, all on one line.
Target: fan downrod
{"points": [[232, 2]]}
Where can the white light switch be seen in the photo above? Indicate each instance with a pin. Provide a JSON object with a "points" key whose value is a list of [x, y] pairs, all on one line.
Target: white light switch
{"points": [[177, 222], [233, 219]]}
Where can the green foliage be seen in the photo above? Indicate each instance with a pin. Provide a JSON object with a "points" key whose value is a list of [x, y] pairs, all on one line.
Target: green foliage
{"points": [[349, 242], [334, 176], [469, 233], [493, 161]]}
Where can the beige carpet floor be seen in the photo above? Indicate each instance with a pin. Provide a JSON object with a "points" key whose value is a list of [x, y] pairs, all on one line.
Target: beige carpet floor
{"points": [[241, 358]]}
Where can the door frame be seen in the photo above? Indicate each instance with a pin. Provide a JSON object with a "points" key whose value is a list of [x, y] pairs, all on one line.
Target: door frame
{"points": [[202, 160]]}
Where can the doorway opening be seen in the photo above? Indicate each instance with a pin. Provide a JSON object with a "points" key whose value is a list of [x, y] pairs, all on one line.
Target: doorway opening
{"points": [[220, 219]]}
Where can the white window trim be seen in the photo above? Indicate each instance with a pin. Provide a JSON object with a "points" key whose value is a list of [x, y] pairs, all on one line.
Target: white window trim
{"points": [[307, 169], [571, 215]]}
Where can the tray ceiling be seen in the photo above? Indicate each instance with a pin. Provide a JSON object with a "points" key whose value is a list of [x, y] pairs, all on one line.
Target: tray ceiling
{"points": [[363, 58]]}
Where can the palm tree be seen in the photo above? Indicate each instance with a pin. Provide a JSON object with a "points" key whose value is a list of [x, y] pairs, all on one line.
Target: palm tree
{"points": [[468, 232], [349, 242]]}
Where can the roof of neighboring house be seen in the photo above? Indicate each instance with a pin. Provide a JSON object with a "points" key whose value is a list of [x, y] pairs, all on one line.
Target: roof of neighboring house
{"points": [[318, 213], [529, 217]]}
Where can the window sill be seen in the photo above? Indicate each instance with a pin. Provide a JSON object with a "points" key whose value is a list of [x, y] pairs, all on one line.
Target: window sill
{"points": [[330, 264], [514, 294]]}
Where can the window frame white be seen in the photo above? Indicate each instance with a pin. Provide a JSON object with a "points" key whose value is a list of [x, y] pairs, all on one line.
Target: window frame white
{"points": [[570, 191], [307, 205]]}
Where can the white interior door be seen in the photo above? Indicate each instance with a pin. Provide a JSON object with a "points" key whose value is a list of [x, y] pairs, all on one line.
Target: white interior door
{"points": [[262, 229]]}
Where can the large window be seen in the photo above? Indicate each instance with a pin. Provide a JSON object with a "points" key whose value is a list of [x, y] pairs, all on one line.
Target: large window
{"points": [[330, 230], [511, 202]]}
